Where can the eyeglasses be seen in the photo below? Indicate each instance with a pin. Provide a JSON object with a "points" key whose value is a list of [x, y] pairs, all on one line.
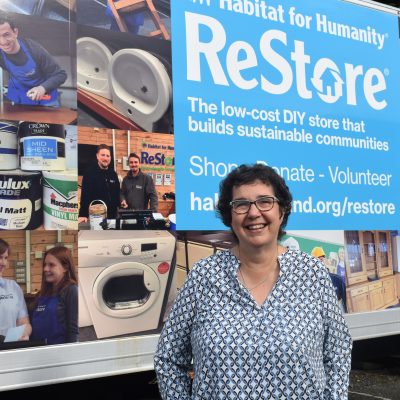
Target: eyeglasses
{"points": [[264, 203]]}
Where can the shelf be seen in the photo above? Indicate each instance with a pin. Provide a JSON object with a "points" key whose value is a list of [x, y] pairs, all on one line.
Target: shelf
{"points": [[104, 108], [51, 115]]}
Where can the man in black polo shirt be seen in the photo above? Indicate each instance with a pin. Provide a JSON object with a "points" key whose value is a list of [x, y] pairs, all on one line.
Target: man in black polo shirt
{"points": [[100, 182]]}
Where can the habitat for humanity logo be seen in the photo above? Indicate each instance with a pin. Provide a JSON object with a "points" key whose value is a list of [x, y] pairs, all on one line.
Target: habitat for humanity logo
{"points": [[276, 64], [328, 82]]}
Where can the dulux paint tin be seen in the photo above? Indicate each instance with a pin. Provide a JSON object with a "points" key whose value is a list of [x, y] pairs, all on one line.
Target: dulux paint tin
{"points": [[8, 145], [20, 200], [60, 199], [41, 146]]}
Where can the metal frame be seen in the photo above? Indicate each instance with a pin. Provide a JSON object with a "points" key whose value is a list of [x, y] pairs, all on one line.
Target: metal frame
{"points": [[375, 5], [77, 361]]}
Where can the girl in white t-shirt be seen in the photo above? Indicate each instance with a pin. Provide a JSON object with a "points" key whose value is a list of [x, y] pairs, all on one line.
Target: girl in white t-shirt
{"points": [[13, 311]]}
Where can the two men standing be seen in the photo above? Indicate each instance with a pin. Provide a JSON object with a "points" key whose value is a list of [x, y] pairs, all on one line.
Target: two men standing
{"points": [[100, 182]]}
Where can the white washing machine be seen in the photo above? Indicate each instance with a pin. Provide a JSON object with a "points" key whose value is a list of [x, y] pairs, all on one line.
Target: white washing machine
{"points": [[124, 279]]}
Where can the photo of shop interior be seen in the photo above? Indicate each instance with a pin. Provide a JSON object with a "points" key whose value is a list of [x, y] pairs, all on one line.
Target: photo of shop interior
{"points": [[142, 17], [59, 105], [127, 282], [124, 80], [155, 160], [363, 265], [38, 176], [372, 270], [25, 266]]}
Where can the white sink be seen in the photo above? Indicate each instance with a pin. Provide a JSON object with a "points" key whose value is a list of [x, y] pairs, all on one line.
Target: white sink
{"points": [[140, 85], [93, 59]]}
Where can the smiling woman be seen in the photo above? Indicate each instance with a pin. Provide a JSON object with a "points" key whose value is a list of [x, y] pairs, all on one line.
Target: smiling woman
{"points": [[55, 314], [258, 320]]}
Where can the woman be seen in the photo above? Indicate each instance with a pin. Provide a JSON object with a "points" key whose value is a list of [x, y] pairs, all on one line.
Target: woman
{"points": [[13, 310], [259, 321], [55, 315]]}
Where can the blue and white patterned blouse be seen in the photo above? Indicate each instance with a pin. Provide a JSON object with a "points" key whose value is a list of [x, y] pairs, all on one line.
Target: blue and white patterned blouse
{"points": [[295, 346]]}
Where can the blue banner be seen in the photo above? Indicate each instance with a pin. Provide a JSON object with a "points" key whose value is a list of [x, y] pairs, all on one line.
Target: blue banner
{"points": [[311, 89]]}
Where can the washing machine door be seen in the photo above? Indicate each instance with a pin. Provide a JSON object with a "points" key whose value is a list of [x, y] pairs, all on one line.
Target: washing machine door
{"points": [[126, 289]]}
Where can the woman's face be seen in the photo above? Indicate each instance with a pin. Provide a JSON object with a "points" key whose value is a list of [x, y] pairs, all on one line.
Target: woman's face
{"points": [[53, 270], [256, 228], [3, 262]]}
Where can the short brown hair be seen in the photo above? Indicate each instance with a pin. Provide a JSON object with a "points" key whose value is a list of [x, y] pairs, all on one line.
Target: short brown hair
{"points": [[246, 174], [103, 146], [6, 19], [134, 155]]}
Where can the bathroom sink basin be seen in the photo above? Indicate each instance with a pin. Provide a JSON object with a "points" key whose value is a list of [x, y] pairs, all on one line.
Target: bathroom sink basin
{"points": [[140, 86], [93, 59]]}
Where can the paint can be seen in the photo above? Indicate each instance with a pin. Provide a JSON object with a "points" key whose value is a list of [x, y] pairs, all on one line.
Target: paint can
{"points": [[41, 146], [8, 145], [20, 200], [60, 199], [97, 214]]}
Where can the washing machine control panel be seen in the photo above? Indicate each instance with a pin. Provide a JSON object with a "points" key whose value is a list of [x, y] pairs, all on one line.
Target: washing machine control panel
{"points": [[144, 250], [148, 250], [156, 246], [126, 249]]}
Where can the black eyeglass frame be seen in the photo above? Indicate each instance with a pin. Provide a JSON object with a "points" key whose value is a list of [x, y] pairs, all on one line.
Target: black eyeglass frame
{"points": [[250, 203]]}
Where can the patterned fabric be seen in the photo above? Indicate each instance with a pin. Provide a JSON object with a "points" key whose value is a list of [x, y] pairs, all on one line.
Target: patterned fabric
{"points": [[295, 346]]}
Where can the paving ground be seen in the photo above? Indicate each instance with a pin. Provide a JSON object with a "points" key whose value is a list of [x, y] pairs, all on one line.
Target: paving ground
{"points": [[380, 382]]}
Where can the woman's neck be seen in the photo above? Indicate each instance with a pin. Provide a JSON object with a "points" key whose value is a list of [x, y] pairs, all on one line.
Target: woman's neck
{"points": [[262, 258]]}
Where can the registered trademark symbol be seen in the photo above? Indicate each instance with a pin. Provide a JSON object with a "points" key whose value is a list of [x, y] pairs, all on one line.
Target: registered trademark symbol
{"points": [[386, 71], [386, 35]]}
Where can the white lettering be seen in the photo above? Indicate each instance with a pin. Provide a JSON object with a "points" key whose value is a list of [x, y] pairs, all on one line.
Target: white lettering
{"points": [[329, 81]]}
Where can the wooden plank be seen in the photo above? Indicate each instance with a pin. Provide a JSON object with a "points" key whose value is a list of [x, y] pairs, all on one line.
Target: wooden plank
{"points": [[132, 6], [121, 24], [51, 115], [106, 110], [157, 20], [129, 5]]}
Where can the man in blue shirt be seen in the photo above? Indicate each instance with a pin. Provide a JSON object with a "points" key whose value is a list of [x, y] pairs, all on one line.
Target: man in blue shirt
{"points": [[34, 74]]}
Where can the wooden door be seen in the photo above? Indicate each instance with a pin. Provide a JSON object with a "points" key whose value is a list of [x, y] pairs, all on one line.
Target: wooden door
{"points": [[359, 299], [389, 291], [355, 269], [384, 253], [376, 295], [368, 244]]}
